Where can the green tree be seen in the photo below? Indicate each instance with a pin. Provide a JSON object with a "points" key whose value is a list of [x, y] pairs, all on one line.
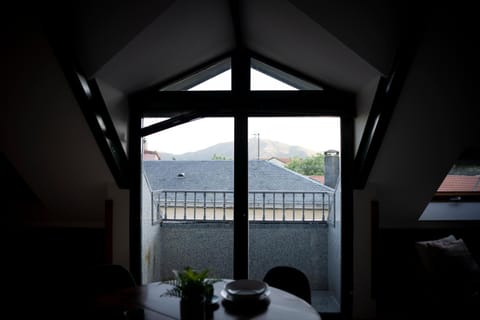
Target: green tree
{"points": [[311, 166], [218, 157]]}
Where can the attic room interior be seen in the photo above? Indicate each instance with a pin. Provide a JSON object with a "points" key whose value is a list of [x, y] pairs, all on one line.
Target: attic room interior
{"points": [[80, 77]]}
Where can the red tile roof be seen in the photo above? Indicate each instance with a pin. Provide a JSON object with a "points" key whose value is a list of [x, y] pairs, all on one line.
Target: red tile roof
{"points": [[457, 183], [320, 179], [150, 155]]}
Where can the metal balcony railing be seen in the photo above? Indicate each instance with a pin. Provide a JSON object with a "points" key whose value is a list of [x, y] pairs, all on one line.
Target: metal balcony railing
{"points": [[217, 205]]}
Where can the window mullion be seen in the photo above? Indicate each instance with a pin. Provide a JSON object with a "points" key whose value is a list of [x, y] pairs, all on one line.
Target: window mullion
{"points": [[240, 226]]}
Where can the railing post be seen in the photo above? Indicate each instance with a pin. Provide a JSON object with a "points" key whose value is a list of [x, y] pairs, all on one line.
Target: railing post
{"points": [[215, 206], [254, 204], [293, 206], [303, 206], [195, 205], [153, 206], [273, 205], [175, 206], [204, 205], [224, 206], [313, 206], [323, 205], [185, 206], [263, 204], [166, 215]]}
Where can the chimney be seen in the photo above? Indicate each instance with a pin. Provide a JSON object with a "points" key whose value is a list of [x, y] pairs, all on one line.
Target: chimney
{"points": [[332, 167]]}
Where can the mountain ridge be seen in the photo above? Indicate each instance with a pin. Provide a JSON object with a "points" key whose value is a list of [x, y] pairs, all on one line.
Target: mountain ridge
{"points": [[268, 149]]}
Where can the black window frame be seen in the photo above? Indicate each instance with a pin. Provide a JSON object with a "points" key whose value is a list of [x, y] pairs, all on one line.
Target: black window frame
{"points": [[241, 103]]}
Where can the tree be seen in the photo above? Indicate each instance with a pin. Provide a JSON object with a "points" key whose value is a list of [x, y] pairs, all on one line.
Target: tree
{"points": [[218, 157], [311, 166]]}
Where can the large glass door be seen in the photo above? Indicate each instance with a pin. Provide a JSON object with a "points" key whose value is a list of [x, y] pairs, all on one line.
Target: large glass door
{"points": [[293, 170], [187, 199], [241, 190]]}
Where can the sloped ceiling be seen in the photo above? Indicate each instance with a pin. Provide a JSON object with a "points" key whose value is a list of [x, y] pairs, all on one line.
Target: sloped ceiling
{"points": [[290, 37], [138, 44], [435, 120]]}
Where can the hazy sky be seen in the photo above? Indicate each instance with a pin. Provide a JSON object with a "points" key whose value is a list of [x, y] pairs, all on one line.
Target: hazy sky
{"points": [[317, 134], [314, 133]]}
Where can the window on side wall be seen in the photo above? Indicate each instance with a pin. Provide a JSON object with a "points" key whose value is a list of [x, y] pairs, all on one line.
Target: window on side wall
{"points": [[458, 196]]}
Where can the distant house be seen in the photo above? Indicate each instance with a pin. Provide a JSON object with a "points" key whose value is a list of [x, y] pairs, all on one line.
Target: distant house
{"points": [[150, 155], [193, 189], [282, 162], [460, 183], [320, 179]]}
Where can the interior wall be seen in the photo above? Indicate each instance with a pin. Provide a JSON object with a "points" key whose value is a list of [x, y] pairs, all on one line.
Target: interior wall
{"points": [[335, 246], [105, 27], [370, 28], [45, 136], [363, 303], [120, 225], [151, 238], [435, 119]]}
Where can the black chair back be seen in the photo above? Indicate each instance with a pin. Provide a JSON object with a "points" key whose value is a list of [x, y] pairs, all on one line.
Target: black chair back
{"points": [[291, 280], [109, 278]]}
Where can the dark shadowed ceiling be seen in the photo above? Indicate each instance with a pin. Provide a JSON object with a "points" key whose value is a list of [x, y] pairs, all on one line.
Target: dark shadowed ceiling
{"points": [[135, 44]]}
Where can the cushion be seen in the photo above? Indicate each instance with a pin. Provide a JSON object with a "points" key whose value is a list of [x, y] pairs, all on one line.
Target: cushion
{"points": [[450, 262], [426, 250]]}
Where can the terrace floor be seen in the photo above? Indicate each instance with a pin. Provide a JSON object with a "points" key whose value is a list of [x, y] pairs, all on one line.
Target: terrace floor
{"points": [[324, 301]]}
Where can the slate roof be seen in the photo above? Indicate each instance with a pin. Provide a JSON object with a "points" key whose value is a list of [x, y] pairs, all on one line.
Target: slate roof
{"points": [[218, 175]]}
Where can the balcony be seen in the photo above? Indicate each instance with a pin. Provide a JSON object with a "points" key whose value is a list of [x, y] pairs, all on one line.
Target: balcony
{"points": [[195, 228], [216, 205]]}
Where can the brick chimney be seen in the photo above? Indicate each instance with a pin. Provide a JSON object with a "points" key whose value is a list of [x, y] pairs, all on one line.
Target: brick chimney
{"points": [[332, 167]]}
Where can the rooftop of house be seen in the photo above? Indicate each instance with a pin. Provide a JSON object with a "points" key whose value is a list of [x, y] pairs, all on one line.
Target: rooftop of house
{"points": [[320, 179], [460, 183], [218, 175], [150, 155]]}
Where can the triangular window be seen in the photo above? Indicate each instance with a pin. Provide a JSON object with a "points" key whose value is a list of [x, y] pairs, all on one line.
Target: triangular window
{"points": [[218, 77], [266, 77]]}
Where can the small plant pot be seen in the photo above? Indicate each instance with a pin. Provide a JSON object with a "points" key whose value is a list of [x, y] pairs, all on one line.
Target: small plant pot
{"points": [[193, 308]]}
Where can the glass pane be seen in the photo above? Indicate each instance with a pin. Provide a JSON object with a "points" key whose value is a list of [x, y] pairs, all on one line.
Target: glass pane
{"points": [[266, 77], [221, 82], [216, 78], [189, 190], [149, 121], [293, 174], [262, 81]]}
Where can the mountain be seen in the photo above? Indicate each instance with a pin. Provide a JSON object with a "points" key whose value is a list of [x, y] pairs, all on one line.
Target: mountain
{"points": [[268, 149]]}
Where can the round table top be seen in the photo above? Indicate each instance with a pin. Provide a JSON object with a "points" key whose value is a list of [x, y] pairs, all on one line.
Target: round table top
{"points": [[150, 302]]}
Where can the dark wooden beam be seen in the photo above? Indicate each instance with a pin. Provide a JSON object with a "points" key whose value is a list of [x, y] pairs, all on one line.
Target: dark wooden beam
{"points": [[240, 90], [94, 109], [254, 103], [386, 97], [241, 224], [236, 14], [346, 215], [135, 218], [169, 123]]}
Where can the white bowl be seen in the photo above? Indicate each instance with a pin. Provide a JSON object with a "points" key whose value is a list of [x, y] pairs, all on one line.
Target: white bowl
{"points": [[245, 289]]}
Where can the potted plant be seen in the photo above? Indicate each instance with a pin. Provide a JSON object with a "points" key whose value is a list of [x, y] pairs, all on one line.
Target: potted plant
{"points": [[194, 290]]}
